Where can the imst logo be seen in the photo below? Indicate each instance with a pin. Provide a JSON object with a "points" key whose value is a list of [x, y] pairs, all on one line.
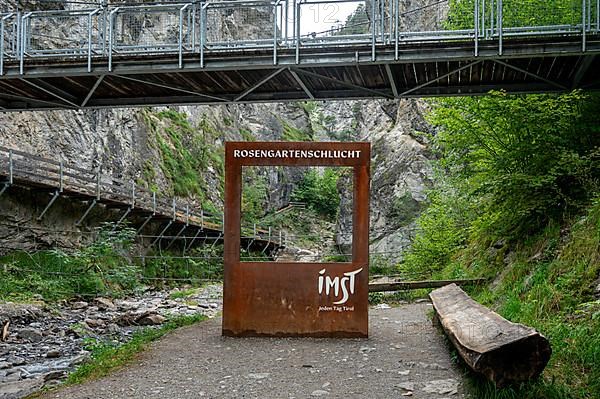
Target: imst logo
{"points": [[345, 284]]}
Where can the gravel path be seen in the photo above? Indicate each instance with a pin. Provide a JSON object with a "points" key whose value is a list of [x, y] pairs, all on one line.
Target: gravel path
{"points": [[405, 356]]}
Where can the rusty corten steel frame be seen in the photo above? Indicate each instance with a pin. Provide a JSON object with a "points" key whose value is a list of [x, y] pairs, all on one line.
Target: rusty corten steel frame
{"points": [[282, 299]]}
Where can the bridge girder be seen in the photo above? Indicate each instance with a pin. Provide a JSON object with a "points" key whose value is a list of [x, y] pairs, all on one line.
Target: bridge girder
{"points": [[528, 65]]}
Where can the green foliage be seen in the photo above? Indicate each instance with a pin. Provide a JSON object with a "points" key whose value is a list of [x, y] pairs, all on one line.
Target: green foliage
{"points": [[101, 268], [515, 199], [516, 13], [247, 135], [202, 264], [375, 298], [188, 153], [291, 133], [356, 23], [548, 286], [527, 159], [254, 195], [319, 191], [382, 266], [107, 357]]}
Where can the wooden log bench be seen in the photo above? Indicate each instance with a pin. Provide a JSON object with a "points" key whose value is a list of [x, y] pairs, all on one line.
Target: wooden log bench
{"points": [[502, 351]]}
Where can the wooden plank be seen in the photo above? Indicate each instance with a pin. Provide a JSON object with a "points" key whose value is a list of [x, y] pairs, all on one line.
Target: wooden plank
{"points": [[413, 285], [502, 351]]}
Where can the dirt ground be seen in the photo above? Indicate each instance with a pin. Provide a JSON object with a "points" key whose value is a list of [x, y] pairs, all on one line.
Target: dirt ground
{"points": [[405, 356]]}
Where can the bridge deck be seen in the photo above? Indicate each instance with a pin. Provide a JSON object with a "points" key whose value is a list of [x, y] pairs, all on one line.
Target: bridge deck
{"points": [[179, 54], [532, 65]]}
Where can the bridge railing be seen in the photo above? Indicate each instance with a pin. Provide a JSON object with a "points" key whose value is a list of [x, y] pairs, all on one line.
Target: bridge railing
{"points": [[8, 38], [216, 26]]}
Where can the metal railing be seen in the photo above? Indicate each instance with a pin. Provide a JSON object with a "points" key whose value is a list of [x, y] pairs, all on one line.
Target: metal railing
{"points": [[203, 27], [94, 185]]}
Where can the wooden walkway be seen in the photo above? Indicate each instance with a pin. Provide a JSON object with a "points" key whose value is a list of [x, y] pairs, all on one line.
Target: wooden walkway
{"points": [[61, 179]]}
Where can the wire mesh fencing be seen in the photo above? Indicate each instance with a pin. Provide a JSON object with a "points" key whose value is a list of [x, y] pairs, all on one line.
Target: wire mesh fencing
{"points": [[196, 27], [153, 28], [72, 34], [235, 24]]}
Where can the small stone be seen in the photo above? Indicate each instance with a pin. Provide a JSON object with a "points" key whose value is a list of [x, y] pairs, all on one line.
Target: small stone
{"points": [[442, 387], [319, 392], [104, 303], [53, 354], [55, 375], [5, 365], [407, 386], [94, 323], [151, 320], [326, 385], [409, 393], [258, 376], [30, 334], [404, 372], [79, 305], [383, 306]]}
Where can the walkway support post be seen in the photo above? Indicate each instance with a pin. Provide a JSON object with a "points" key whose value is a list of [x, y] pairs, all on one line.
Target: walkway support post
{"points": [[10, 173], [202, 32], [111, 29], [56, 192], [396, 29], [180, 44], [2, 23], [583, 26], [89, 50], [159, 237], [476, 31], [297, 14], [23, 41], [373, 29]]}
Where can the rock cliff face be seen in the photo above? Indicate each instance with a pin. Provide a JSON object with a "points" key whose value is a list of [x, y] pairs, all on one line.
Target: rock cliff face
{"points": [[128, 144]]}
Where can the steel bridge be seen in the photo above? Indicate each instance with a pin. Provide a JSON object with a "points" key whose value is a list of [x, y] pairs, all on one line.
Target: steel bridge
{"points": [[176, 222], [223, 52]]}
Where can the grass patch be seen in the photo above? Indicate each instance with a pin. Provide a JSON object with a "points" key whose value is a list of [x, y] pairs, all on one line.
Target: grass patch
{"points": [[181, 294], [107, 357]]}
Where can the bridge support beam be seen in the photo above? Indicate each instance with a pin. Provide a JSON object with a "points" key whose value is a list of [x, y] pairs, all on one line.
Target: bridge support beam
{"points": [[4, 188], [127, 212], [531, 74], [52, 201], [302, 84], [343, 83], [444, 76], [176, 237], [144, 224], [162, 233], [390, 75], [87, 212], [185, 249], [258, 84], [584, 66], [92, 91], [53, 91]]}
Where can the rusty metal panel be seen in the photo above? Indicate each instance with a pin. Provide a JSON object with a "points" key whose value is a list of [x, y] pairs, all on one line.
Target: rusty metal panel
{"points": [[296, 299]]}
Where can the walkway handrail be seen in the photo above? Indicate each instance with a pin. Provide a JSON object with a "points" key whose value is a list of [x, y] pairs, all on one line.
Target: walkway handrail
{"points": [[60, 176], [199, 27]]}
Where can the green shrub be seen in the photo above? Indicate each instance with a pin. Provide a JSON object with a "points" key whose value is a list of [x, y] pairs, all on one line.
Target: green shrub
{"points": [[320, 192]]}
